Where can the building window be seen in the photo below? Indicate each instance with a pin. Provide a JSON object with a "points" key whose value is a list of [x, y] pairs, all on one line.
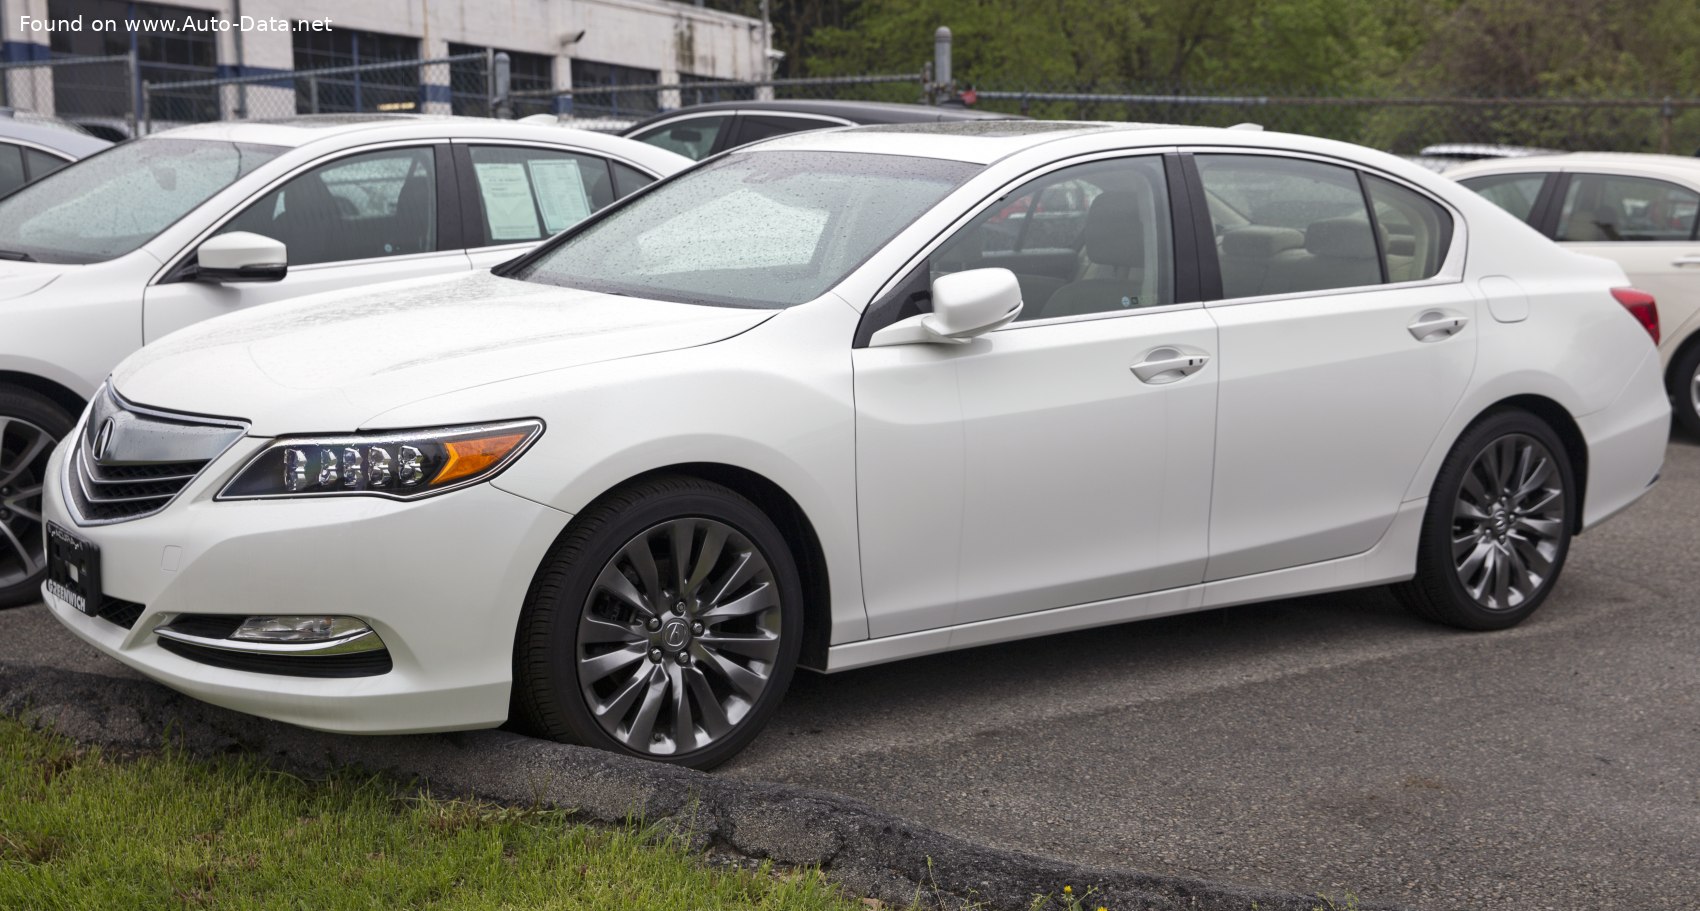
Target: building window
{"points": [[590, 76], [532, 82], [165, 55], [394, 88], [708, 89]]}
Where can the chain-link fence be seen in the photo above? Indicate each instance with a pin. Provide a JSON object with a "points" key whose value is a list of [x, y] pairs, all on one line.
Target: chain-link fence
{"points": [[103, 94], [446, 85], [120, 96], [1402, 124]]}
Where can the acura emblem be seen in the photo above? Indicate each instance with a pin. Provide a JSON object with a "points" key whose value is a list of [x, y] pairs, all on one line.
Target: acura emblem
{"points": [[103, 439]]}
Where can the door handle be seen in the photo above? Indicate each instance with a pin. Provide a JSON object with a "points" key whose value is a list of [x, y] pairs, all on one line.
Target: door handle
{"points": [[1166, 365], [1682, 261], [1434, 325]]}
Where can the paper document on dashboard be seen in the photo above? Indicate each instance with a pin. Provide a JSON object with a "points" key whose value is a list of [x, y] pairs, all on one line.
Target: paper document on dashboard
{"points": [[507, 201], [560, 193]]}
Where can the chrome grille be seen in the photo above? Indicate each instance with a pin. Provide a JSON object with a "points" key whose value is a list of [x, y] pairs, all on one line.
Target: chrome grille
{"points": [[132, 461]]}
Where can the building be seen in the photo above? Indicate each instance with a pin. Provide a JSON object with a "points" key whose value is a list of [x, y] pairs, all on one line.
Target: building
{"points": [[552, 45]]}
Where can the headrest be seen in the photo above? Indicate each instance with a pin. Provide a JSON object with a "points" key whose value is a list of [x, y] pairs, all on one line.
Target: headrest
{"points": [[1400, 244], [1114, 235], [1260, 241], [1344, 237]]}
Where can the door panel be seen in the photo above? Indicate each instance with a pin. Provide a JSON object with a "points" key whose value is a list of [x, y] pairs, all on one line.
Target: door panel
{"points": [[1328, 404], [1031, 469]]}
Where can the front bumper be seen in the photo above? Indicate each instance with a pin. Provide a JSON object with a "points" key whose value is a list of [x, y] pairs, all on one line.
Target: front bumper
{"points": [[441, 581]]}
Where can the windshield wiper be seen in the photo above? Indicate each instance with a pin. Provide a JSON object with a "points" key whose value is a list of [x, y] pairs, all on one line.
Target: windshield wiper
{"points": [[16, 256]]}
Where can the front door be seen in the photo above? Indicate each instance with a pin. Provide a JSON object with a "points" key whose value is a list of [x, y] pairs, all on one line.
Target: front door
{"points": [[358, 220], [1061, 460]]}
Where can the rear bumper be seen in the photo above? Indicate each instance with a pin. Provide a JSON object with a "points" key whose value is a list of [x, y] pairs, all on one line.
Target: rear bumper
{"points": [[1626, 444]]}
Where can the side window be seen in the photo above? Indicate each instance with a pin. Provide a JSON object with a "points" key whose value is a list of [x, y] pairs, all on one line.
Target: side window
{"points": [[692, 138], [1515, 193], [11, 168], [1092, 238], [1286, 225], [1602, 207], [628, 180], [41, 164], [1415, 231], [360, 207], [756, 127], [527, 194]]}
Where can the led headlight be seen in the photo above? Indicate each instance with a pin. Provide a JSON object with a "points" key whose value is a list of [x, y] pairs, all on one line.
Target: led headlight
{"points": [[402, 465]]}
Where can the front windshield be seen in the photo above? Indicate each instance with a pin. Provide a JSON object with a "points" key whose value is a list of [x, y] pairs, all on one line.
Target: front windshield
{"points": [[753, 229], [109, 204]]}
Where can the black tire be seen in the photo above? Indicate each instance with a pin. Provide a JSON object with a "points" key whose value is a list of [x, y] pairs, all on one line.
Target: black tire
{"points": [[552, 696], [1685, 390], [24, 417], [1519, 538]]}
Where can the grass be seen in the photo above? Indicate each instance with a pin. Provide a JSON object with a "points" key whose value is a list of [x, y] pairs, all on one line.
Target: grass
{"points": [[80, 829]]}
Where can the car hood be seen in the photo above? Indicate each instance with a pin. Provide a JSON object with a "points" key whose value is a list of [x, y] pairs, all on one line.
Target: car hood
{"points": [[328, 363], [20, 278]]}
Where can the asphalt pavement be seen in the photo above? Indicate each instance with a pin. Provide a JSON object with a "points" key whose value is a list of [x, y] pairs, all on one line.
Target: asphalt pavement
{"points": [[1328, 745]]}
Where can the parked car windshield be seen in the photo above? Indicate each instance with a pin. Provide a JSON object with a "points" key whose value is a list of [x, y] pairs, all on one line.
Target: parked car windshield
{"points": [[111, 203], [755, 229]]}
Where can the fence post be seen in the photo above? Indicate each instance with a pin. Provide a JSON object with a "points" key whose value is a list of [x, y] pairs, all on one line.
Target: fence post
{"points": [[499, 106], [312, 94], [1667, 112], [147, 111], [138, 95], [941, 63]]}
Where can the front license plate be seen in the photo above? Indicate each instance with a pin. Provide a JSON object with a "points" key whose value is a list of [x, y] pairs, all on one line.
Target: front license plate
{"points": [[73, 569]]}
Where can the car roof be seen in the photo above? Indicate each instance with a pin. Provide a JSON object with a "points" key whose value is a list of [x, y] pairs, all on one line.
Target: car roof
{"points": [[987, 141], [1578, 161], [864, 112], [296, 132], [59, 136]]}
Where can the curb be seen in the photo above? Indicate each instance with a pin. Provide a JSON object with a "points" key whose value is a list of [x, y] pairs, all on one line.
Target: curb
{"points": [[869, 852]]}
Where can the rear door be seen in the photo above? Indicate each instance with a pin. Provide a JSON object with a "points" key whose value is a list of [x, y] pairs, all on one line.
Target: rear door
{"points": [[360, 217], [1346, 339]]}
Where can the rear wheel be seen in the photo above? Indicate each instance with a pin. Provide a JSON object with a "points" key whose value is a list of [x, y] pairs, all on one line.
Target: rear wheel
{"points": [[1685, 389], [665, 624], [30, 426], [1498, 526]]}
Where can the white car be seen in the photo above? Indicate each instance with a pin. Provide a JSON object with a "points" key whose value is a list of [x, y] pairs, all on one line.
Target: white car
{"points": [[1640, 211], [33, 147], [847, 397], [152, 235]]}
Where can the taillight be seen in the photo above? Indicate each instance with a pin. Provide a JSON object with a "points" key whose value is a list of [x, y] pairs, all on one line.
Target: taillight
{"points": [[1640, 305]]}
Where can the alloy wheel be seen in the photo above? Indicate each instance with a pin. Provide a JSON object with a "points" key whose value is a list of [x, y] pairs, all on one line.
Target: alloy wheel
{"points": [[24, 451], [679, 636], [1508, 522]]}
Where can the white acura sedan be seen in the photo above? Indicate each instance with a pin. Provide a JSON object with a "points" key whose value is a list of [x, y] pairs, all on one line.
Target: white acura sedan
{"points": [[138, 241], [847, 397]]}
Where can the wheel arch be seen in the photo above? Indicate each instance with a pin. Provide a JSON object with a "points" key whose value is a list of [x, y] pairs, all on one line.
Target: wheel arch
{"points": [[794, 524], [1569, 433], [58, 394]]}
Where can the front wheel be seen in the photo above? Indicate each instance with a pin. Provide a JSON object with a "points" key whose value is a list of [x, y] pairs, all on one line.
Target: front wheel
{"points": [[1498, 526], [30, 426], [665, 624]]}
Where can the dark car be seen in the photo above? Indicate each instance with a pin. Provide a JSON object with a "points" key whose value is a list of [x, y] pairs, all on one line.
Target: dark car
{"points": [[701, 130]]}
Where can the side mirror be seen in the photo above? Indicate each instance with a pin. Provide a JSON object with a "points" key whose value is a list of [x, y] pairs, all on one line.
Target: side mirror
{"points": [[241, 256], [965, 305]]}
